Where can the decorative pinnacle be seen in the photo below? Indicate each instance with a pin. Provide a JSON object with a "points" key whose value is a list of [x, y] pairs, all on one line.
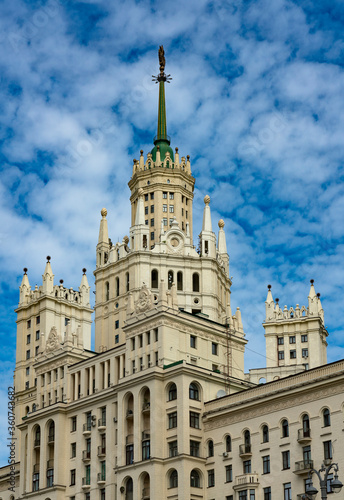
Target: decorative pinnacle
{"points": [[207, 199], [221, 223], [277, 300], [312, 282], [61, 281], [269, 287], [84, 270], [318, 295], [103, 212], [25, 270], [162, 77], [48, 258]]}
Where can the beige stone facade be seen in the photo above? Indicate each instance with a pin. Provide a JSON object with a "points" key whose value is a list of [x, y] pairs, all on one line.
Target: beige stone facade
{"points": [[162, 408]]}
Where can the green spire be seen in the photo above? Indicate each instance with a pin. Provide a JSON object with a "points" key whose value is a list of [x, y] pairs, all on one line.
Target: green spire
{"points": [[162, 139]]}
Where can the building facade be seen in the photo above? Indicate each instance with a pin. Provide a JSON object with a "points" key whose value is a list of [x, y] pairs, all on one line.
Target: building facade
{"points": [[162, 408]]}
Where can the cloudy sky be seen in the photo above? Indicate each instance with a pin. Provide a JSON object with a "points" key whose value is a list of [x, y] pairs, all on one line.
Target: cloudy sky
{"points": [[256, 101]]}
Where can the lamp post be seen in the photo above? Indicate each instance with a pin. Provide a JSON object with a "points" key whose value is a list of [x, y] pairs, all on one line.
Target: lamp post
{"points": [[336, 485]]}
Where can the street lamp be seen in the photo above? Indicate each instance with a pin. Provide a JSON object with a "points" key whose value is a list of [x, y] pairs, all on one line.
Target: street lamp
{"points": [[336, 485]]}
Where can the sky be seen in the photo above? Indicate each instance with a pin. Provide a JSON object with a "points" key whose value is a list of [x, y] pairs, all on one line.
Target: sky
{"points": [[256, 100]]}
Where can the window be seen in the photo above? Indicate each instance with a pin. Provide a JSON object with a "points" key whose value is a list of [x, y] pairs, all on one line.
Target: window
{"points": [[267, 493], [194, 419], [133, 344], [116, 324], [146, 210], [36, 350], [28, 324], [152, 196], [174, 479], [38, 320], [266, 464], [280, 340], [73, 424], [102, 494], [327, 450], [286, 460], [243, 495], [193, 341], [285, 428], [172, 420], [152, 235], [164, 195], [252, 495], [171, 196], [304, 338], [35, 482], [72, 477], [156, 334], [140, 340], [117, 287], [193, 392], [306, 450], [195, 282], [28, 370], [329, 484], [152, 222], [146, 450], [229, 497], [172, 393], [195, 481], [293, 354], [28, 354], [305, 426], [305, 353], [179, 280], [211, 448], [146, 197], [228, 443], [164, 220], [73, 450], [28, 339], [265, 434], [194, 448], [211, 478], [229, 473], [37, 334], [148, 338], [116, 339], [127, 280], [129, 452], [155, 278], [280, 354], [152, 209], [326, 417], [247, 466], [171, 209], [292, 339], [173, 448], [164, 208], [287, 491], [107, 290], [214, 347]]}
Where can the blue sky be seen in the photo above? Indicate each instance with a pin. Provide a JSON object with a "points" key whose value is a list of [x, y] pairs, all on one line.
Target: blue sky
{"points": [[256, 101]]}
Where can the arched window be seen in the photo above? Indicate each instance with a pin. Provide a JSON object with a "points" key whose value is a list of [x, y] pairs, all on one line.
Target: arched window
{"points": [[326, 417], [305, 426], [127, 281], [27, 409], [34, 407], [247, 440], [195, 282], [170, 279], [195, 480], [193, 392], [228, 443], [117, 287], [285, 428], [211, 448], [172, 393], [37, 436], [51, 432], [174, 479], [107, 290], [265, 432], [179, 280], [129, 489], [155, 279]]}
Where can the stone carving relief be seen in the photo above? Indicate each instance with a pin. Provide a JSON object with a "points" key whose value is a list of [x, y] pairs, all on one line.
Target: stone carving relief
{"points": [[53, 341], [144, 301]]}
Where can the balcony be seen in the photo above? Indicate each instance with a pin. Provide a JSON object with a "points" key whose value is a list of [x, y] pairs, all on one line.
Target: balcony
{"points": [[246, 480], [102, 425], [304, 436], [130, 414], [146, 407], [86, 483], [101, 478], [36, 468], [51, 438], [146, 494], [86, 455], [86, 429], [146, 435], [37, 443], [101, 451], [303, 467], [245, 451], [50, 463], [129, 439]]}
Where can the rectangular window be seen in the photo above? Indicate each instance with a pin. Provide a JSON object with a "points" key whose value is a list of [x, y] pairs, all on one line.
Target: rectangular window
{"points": [[280, 354], [172, 420], [27, 354], [327, 450], [194, 419], [164, 221], [252, 495], [156, 358], [247, 466], [148, 338], [28, 323], [293, 354], [152, 209], [267, 493], [229, 473], [156, 334], [266, 464], [141, 364], [186, 213], [287, 491], [171, 196], [292, 339], [243, 495], [182, 211], [286, 460], [36, 350], [72, 477], [304, 338], [146, 450], [35, 482], [173, 448], [73, 450], [27, 385], [146, 210], [229, 497], [152, 222], [193, 341], [116, 339], [140, 340], [133, 366], [211, 478], [116, 324], [28, 370], [38, 320], [164, 208], [146, 197], [37, 334], [171, 209], [129, 454], [28, 339], [329, 484], [280, 340], [146, 222], [152, 235], [133, 344], [164, 195], [305, 353], [152, 196], [194, 448], [214, 348]]}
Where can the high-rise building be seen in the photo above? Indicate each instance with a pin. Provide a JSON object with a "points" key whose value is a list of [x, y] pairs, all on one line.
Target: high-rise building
{"points": [[163, 409]]}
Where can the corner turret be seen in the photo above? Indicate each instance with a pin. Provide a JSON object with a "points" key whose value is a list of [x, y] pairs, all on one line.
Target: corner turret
{"points": [[207, 237], [48, 278]]}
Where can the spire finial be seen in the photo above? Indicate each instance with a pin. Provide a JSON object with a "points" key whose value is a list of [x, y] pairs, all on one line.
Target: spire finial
{"points": [[25, 270]]}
